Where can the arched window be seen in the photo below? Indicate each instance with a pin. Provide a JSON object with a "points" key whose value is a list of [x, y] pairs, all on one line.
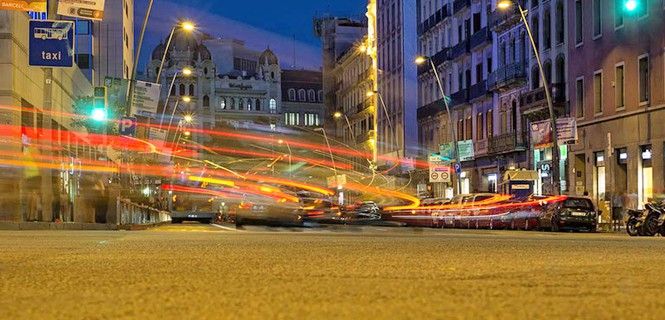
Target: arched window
{"points": [[311, 95], [222, 104], [249, 104], [241, 104], [232, 103], [560, 69], [548, 71], [191, 90], [173, 91], [206, 102], [320, 95], [182, 90], [292, 95], [535, 78], [273, 105], [560, 23], [502, 54], [272, 75], [302, 95], [547, 30], [205, 71], [257, 105]]}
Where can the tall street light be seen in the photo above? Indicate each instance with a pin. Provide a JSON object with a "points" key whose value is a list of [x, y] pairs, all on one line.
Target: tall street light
{"points": [[503, 5], [183, 25], [338, 115], [186, 71], [420, 60]]}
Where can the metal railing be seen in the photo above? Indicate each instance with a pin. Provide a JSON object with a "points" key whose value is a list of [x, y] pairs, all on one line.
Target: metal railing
{"points": [[130, 213]]}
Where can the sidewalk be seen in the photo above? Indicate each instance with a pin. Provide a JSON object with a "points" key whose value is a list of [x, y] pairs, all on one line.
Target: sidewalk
{"points": [[17, 226]]}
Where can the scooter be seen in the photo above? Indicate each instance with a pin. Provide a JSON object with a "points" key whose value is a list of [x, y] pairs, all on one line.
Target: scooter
{"points": [[635, 222], [647, 222]]}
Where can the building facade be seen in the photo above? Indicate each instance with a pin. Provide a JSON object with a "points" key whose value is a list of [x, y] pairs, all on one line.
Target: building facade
{"points": [[302, 98], [397, 81], [617, 94]]}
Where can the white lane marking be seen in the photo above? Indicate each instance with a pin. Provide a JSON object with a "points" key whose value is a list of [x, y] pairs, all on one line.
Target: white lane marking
{"points": [[226, 228]]}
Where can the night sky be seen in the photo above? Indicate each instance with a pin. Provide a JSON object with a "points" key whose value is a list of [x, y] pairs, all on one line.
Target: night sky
{"points": [[261, 23]]}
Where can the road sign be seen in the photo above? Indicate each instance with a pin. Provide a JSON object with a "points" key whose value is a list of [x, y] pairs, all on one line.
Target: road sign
{"points": [[439, 171], [447, 151], [466, 151], [458, 168], [51, 43], [24, 5], [128, 126], [146, 98], [89, 9]]}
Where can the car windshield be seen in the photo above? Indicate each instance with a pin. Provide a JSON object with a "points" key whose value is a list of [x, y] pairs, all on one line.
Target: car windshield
{"points": [[577, 203]]}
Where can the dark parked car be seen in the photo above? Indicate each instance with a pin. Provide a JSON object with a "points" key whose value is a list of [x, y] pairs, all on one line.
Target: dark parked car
{"points": [[573, 213]]}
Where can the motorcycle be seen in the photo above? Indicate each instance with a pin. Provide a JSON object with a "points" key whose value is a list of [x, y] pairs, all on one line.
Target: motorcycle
{"points": [[647, 222]]}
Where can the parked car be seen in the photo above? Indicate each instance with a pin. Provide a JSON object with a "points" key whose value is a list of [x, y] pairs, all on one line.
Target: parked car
{"points": [[573, 213]]}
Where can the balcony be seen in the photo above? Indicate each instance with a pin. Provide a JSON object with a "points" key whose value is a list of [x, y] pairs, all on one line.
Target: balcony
{"points": [[533, 104], [503, 20], [460, 49], [431, 109], [478, 90], [438, 59], [458, 5], [481, 37], [509, 142], [460, 97], [507, 77], [433, 20]]}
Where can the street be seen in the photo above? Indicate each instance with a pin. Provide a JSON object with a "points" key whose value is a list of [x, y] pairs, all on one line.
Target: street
{"points": [[205, 271]]}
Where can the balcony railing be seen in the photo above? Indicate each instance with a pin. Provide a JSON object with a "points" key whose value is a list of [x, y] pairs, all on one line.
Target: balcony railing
{"points": [[483, 35], [434, 20], [507, 75], [536, 100], [460, 49], [458, 5], [460, 97], [478, 90], [502, 20], [514, 141]]}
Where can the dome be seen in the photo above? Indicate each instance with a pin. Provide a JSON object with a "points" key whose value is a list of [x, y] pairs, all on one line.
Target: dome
{"points": [[202, 53], [268, 57], [158, 52]]}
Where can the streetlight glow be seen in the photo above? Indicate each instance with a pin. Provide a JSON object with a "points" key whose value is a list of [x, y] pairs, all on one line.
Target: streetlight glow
{"points": [[187, 133], [370, 94], [337, 115], [186, 99], [504, 4], [421, 60], [99, 115], [188, 118], [186, 71], [630, 5], [187, 26], [280, 141]]}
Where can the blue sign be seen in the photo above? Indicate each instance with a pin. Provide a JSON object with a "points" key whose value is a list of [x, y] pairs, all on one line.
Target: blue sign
{"points": [[128, 126], [458, 168], [51, 43]]}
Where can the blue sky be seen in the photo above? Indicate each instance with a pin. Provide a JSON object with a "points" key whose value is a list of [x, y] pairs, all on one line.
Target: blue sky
{"points": [[261, 23]]}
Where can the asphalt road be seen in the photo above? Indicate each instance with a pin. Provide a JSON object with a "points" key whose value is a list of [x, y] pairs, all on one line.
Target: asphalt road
{"points": [[193, 271]]}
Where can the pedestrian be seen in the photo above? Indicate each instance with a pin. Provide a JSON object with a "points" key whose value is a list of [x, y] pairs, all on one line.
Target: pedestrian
{"points": [[617, 210]]}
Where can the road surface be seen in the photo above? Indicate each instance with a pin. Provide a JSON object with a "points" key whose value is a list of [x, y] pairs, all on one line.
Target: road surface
{"points": [[199, 271]]}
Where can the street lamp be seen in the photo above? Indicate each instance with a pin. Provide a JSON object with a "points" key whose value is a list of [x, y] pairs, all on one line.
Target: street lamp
{"points": [[339, 115], [188, 118], [420, 60], [184, 25], [505, 4], [187, 99]]}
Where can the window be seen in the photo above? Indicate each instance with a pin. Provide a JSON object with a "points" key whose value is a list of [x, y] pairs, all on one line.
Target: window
{"points": [[222, 104], [619, 86], [535, 27], [598, 92], [468, 135], [643, 66], [579, 97], [257, 105], [311, 119], [547, 29], [560, 23], [618, 13], [249, 104], [292, 119], [191, 89], [489, 123], [206, 102], [579, 34], [597, 19], [535, 78], [292, 95], [311, 95], [320, 94], [273, 106], [480, 133], [84, 60], [460, 129], [182, 89], [302, 95], [82, 27], [232, 102]]}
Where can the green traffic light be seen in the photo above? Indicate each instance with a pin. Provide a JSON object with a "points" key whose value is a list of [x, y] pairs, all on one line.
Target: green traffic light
{"points": [[99, 115], [630, 5]]}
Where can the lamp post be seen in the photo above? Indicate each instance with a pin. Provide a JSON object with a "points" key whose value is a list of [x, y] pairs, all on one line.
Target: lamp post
{"points": [[421, 60], [288, 147], [339, 115], [184, 25], [503, 5], [186, 71]]}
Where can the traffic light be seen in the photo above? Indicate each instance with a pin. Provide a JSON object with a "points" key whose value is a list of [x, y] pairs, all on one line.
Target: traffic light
{"points": [[99, 111]]}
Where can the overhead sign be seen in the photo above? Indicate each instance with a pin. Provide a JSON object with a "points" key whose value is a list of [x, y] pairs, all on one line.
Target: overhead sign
{"points": [[466, 152], [86, 9], [541, 134], [439, 171], [146, 99], [128, 126], [23, 5], [51, 43], [116, 90]]}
